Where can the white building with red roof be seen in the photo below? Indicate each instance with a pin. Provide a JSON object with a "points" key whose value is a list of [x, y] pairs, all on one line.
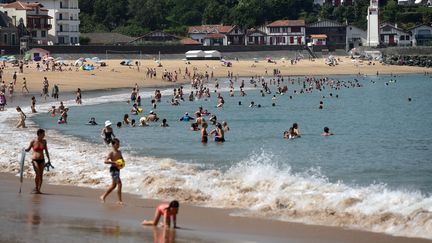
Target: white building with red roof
{"points": [[33, 15], [286, 32], [65, 22], [217, 35]]}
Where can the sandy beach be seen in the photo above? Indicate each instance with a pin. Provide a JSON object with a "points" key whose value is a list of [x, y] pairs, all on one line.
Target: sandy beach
{"points": [[74, 214], [117, 76]]}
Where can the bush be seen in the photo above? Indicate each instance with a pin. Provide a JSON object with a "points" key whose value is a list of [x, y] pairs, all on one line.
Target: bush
{"points": [[84, 40]]}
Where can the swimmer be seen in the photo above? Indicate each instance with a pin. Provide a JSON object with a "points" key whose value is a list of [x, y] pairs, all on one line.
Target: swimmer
{"points": [[126, 120], [92, 121], [326, 132], [225, 126], [219, 133], [186, 117], [152, 117], [164, 123], [134, 109], [52, 111], [252, 104], [142, 122], [194, 127], [168, 211], [296, 130], [111, 159], [119, 124], [133, 124]]}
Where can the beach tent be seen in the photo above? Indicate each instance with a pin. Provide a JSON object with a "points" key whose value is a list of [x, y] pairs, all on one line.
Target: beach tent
{"points": [[126, 62], [212, 55], [195, 55], [38, 52], [80, 61]]}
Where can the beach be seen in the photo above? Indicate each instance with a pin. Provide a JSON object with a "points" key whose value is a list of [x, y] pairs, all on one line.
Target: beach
{"points": [[74, 214], [73, 206], [115, 75]]}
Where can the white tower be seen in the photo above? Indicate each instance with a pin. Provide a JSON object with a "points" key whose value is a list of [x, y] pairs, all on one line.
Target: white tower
{"points": [[373, 24]]}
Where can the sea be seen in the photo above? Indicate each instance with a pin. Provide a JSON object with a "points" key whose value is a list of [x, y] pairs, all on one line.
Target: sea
{"points": [[373, 174]]}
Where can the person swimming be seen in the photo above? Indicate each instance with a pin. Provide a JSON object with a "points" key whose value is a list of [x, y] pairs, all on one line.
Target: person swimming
{"points": [[186, 117], [326, 132], [92, 121], [107, 133]]}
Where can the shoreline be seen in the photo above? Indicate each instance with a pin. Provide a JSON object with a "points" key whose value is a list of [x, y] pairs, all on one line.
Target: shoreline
{"points": [[201, 224]]}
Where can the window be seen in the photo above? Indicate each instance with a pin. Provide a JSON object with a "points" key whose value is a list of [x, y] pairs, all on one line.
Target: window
{"points": [[71, 40], [34, 33], [13, 41], [296, 29], [43, 33], [60, 16], [5, 39], [250, 38], [402, 37], [284, 29], [407, 37]]}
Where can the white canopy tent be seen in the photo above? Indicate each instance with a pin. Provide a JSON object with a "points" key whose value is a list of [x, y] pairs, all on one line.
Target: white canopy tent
{"points": [[195, 55], [213, 55]]}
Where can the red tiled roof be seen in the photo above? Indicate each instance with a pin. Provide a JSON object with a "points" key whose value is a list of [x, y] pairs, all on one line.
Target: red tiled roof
{"points": [[189, 41], [287, 23], [214, 36], [22, 6], [208, 29]]}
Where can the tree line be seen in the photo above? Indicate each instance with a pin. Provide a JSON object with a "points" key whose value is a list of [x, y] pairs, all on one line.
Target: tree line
{"points": [[136, 17]]}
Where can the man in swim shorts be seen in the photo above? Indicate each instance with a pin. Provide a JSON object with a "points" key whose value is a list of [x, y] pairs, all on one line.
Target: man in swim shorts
{"points": [[112, 159]]}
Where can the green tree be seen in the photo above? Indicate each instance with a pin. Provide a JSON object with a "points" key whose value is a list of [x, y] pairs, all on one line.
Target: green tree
{"points": [[390, 12]]}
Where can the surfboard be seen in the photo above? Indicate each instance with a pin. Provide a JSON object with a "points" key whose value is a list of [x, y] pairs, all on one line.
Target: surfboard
{"points": [[22, 160]]}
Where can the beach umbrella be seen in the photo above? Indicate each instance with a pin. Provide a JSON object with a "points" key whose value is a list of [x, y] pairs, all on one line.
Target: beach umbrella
{"points": [[12, 57], [3, 59]]}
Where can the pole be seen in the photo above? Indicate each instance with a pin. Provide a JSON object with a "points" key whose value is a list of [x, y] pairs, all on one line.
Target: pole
{"points": [[106, 54]]}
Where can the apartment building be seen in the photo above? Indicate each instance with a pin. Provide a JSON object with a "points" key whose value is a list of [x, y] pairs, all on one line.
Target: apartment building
{"points": [[65, 22]]}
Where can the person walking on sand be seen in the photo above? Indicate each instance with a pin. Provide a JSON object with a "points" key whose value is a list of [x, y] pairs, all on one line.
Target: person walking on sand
{"points": [[39, 145], [24, 86], [23, 117], [112, 158], [78, 98], [168, 211]]}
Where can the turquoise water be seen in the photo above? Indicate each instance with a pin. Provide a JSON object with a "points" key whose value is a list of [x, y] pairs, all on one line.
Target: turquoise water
{"points": [[380, 137]]}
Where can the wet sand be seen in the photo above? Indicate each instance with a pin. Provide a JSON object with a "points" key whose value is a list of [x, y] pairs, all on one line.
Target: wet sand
{"points": [[74, 214]]}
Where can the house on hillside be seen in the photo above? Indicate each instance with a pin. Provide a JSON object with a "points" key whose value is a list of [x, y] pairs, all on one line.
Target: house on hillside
{"points": [[255, 37], [334, 2], [33, 16], [155, 36], [286, 32], [355, 37], [391, 35], [8, 32], [217, 35], [107, 38], [336, 32], [421, 35]]}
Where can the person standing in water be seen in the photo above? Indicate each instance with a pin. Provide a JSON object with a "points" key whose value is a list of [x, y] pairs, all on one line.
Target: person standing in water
{"points": [[39, 145], [23, 117], [112, 159], [107, 133]]}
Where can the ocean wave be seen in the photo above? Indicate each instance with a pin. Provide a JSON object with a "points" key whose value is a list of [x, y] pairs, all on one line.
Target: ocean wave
{"points": [[259, 186]]}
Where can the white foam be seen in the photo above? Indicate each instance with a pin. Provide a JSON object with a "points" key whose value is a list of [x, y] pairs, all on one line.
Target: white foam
{"points": [[257, 184]]}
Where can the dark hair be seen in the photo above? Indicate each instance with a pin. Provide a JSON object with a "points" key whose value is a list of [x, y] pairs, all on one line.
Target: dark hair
{"points": [[119, 124], [164, 120], [115, 141], [326, 129], [40, 131], [174, 204], [295, 125]]}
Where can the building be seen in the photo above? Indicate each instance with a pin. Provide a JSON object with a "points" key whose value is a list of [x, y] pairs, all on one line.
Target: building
{"points": [[391, 35], [355, 37], [155, 36], [255, 37], [38, 52], [65, 22], [286, 32], [334, 2], [373, 24], [33, 16], [217, 35], [108, 38], [335, 32], [8, 32], [421, 35], [318, 40]]}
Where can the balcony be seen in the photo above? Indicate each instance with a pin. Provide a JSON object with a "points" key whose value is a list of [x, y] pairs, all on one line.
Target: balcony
{"points": [[39, 26]]}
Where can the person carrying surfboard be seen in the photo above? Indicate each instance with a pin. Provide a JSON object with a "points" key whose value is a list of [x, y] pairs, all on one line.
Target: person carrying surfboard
{"points": [[39, 145]]}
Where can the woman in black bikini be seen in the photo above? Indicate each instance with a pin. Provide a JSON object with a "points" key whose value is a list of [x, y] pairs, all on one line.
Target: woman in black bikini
{"points": [[38, 159]]}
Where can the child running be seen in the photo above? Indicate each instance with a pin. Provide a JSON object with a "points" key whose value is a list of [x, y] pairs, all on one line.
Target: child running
{"points": [[112, 159], [168, 211]]}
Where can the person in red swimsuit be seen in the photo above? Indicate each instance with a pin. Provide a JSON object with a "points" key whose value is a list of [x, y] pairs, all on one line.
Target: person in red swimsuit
{"points": [[168, 211], [39, 145]]}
